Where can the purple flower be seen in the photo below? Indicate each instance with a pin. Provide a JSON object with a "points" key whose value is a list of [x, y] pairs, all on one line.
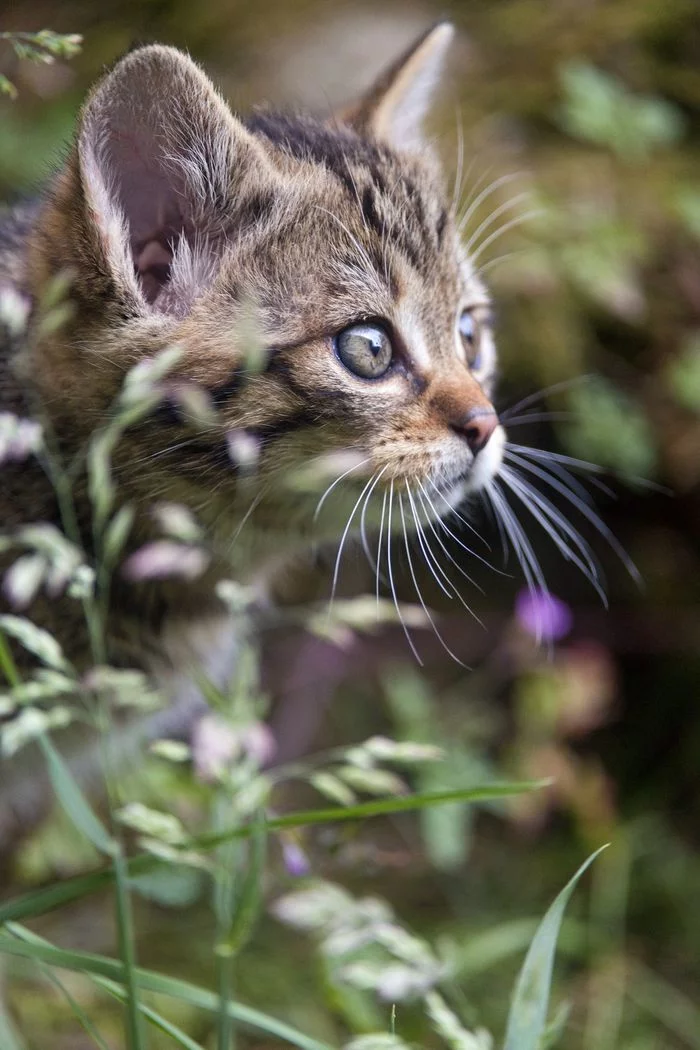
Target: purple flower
{"points": [[543, 615], [295, 860]]}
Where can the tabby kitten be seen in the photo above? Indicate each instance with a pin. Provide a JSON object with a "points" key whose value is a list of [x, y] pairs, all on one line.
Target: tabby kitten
{"points": [[181, 223]]}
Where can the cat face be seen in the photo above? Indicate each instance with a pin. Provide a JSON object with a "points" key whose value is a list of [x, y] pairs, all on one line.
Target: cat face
{"points": [[327, 244]]}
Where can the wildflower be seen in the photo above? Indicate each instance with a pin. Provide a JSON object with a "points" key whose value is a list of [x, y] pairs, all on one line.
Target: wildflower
{"points": [[543, 615], [295, 860]]}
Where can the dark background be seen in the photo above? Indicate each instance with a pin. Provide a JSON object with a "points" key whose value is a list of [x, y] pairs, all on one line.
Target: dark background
{"points": [[595, 106]]}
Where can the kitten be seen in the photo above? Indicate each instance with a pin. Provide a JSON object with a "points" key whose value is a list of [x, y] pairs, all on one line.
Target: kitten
{"points": [[182, 224]]}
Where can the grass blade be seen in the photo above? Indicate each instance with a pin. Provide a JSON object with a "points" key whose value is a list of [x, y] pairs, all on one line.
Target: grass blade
{"points": [[528, 1012], [72, 800], [112, 988], [147, 981], [38, 902]]}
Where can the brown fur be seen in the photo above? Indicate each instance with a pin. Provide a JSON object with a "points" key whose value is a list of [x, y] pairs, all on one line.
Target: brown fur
{"points": [[181, 223]]}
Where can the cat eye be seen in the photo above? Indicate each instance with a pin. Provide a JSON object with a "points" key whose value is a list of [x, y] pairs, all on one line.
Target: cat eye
{"points": [[471, 337], [364, 349]]}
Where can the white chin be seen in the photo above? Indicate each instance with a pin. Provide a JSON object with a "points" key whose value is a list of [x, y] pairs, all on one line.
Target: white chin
{"points": [[488, 463], [484, 469]]}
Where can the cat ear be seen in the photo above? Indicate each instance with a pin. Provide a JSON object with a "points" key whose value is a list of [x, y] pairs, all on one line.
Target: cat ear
{"points": [[163, 166], [395, 106]]}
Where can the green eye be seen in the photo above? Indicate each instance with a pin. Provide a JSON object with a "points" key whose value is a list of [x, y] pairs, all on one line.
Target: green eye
{"points": [[364, 349]]}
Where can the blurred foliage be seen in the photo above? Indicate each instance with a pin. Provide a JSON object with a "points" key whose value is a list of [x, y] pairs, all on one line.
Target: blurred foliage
{"points": [[598, 104]]}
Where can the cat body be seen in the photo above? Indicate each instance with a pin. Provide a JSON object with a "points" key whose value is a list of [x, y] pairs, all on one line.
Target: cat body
{"points": [[330, 245]]}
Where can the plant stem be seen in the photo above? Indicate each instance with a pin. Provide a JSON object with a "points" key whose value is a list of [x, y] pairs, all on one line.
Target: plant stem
{"points": [[134, 1032]]}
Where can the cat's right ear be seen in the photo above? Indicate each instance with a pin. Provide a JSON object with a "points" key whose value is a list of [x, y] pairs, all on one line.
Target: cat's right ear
{"points": [[152, 187]]}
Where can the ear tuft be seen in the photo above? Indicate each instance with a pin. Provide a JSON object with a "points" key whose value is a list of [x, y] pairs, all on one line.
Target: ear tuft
{"points": [[395, 107]]}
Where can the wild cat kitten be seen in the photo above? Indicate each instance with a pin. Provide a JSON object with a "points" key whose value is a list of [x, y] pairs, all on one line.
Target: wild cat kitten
{"points": [[178, 221]]}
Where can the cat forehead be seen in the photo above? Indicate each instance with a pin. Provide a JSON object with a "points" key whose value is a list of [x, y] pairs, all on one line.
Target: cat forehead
{"points": [[377, 181], [359, 208]]}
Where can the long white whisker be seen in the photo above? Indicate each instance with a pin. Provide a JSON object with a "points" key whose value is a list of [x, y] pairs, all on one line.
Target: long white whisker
{"points": [[485, 193], [443, 548], [567, 477], [457, 188], [491, 218], [555, 461], [451, 534], [453, 510], [333, 484], [538, 417], [336, 571], [449, 591], [418, 590], [532, 571], [379, 546], [590, 515], [391, 579], [517, 221], [564, 384], [429, 556], [363, 531], [554, 524]]}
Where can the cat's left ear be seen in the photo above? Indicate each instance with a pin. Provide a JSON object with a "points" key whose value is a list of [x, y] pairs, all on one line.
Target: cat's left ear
{"points": [[394, 108]]}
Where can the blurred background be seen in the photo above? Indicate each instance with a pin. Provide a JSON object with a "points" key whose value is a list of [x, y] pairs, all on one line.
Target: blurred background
{"points": [[593, 108]]}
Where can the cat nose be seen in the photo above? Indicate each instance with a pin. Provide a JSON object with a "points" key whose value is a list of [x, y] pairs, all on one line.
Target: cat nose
{"points": [[477, 427]]}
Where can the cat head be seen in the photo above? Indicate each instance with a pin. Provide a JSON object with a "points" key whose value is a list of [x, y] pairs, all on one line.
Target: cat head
{"points": [[331, 239]]}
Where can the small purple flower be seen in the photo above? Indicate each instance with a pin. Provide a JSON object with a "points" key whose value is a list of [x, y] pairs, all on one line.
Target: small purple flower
{"points": [[543, 615], [295, 860]]}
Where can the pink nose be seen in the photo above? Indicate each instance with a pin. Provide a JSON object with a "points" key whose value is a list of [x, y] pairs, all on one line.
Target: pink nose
{"points": [[477, 427]]}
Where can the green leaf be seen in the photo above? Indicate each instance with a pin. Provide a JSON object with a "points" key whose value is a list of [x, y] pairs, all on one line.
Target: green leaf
{"points": [[528, 1012], [72, 799]]}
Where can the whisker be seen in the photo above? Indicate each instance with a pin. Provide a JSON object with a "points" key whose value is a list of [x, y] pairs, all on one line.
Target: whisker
{"points": [[564, 384], [481, 271], [391, 579], [457, 540], [449, 591], [567, 477], [337, 481], [554, 524], [517, 221], [538, 417], [418, 590], [339, 556], [457, 188], [379, 546], [363, 531], [485, 193], [436, 534], [254, 503], [532, 571], [464, 521], [430, 556], [586, 512], [491, 218]]}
